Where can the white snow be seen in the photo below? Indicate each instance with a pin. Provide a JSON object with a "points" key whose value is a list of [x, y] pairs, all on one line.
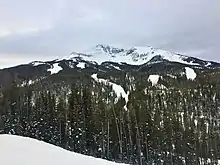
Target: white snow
{"points": [[138, 56], [55, 68], [208, 64], [117, 88], [190, 73], [164, 54], [81, 65], [36, 63], [16, 150], [116, 67], [154, 79]]}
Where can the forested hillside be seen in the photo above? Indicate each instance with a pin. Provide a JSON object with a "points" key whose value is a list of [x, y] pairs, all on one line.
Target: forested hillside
{"points": [[174, 123]]}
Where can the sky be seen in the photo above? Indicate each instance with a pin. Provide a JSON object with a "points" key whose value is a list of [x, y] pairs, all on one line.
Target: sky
{"points": [[48, 29]]}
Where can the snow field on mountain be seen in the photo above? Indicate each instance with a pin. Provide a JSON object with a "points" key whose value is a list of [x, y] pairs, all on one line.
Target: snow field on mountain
{"points": [[81, 65], [151, 52], [16, 150], [190, 73], [154, 79], [55, 68], [132, 56]]}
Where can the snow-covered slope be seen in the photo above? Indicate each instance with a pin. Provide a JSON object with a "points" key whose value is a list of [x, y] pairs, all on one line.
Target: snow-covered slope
{"points": [[134, 56], [154, 79], [190, 73], [119, 91], [16, 150]]}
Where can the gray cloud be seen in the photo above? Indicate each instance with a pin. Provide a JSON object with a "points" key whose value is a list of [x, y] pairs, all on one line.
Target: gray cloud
{"points": [[48, 28]]}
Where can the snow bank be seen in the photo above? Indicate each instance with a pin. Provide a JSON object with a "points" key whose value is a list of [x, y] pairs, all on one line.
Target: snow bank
{"points": [[16, 150], [117, 88], [55, 68], [190, 73]]}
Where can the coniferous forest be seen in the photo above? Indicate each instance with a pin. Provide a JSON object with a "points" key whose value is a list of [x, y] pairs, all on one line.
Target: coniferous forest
{"points": [[170, 126]]}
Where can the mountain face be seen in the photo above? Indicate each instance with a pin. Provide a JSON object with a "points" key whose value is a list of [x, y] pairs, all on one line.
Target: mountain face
{"points": [[140, 106]]}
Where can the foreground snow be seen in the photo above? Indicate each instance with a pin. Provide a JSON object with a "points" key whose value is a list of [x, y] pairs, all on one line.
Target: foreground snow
{"points": [[16, 150]]}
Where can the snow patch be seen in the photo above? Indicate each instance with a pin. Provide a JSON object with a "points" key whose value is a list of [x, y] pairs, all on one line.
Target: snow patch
{"points": [[81, 65], [154, 79], [190, 73], [36, 63], [116, 67], [55, 68], [16, 150], [208, 64], [117, 88]]}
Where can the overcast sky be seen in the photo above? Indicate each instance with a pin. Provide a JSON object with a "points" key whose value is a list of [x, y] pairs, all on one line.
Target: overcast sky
{"points": [[46, 29]]}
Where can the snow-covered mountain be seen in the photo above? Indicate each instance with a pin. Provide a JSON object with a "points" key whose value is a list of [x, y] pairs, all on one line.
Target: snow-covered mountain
{"points": [[16, 150], [135, 56]]}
